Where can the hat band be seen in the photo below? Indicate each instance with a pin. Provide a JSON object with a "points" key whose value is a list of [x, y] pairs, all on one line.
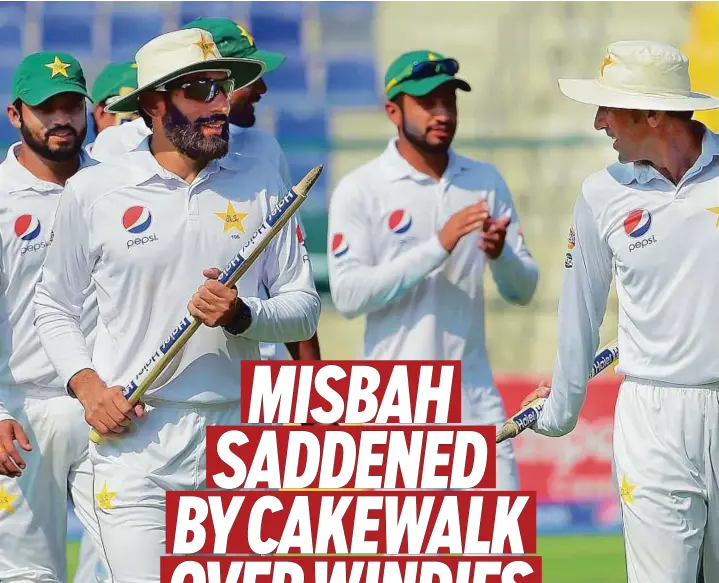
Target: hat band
{"points": [[662, 92]]}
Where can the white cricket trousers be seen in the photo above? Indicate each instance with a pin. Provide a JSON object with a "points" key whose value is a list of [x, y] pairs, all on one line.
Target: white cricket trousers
{"points": [[33, 508], [666, 450], [165, 450], [484, 406]]}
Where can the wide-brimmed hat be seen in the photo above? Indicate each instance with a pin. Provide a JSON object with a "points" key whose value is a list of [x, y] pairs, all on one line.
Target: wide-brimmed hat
{"points": [[642, 75], [175, 54]]}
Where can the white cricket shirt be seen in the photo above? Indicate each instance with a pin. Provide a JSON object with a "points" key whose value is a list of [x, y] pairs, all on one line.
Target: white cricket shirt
{"points": [[27, 210], [144, 237], [660, 240], [117, 140], [386, 261]]}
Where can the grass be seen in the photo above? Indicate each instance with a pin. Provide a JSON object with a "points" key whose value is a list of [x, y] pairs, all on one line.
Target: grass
{"points": [[565, 559]]}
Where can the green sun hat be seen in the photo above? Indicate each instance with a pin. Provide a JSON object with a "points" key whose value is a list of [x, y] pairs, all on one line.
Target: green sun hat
{"points": [[40, 76], [418, 73], [114, 80], [235, 41]]}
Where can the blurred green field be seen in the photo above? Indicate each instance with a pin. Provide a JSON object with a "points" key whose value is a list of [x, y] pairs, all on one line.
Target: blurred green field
{"points": [[565, 559]]}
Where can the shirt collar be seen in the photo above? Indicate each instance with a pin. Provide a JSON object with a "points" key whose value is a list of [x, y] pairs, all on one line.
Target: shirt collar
{"points": [[17, 178], [147, 166], [644, 173], [395, 166]]}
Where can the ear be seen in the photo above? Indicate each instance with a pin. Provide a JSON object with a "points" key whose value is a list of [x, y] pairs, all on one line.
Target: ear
{"points": [[394, 112], [153, 104], [14, 116], [654, 118]]}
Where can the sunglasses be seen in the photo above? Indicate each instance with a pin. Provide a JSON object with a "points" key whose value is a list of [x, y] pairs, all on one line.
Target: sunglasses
{"points": [[423, 70], [201, 89]]}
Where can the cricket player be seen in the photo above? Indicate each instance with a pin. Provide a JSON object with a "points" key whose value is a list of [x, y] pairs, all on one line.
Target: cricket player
{"points": [[232, 40], [150, 229], [43, 434], [412, 232], [652, 219], [114, 80]]}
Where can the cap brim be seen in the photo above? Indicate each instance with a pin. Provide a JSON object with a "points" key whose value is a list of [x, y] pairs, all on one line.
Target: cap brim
{"points": [[38, 96], [243, 71], [271, 59], [589, 91], [420, 87]]}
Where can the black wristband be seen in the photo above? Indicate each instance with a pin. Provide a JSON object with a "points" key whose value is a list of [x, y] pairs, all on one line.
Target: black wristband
{"points": [[242, 320]]}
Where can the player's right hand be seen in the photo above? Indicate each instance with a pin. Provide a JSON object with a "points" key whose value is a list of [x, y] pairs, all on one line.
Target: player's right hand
{"points": [[106, 409], [462, 222], [11, 462]]}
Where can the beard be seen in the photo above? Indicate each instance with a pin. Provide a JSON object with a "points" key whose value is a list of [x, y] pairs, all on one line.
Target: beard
{"points": [[43, 149], [418, 139], [188, 138]]}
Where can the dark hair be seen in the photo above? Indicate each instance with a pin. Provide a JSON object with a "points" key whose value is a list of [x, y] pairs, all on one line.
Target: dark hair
{"points": [[681, 115]]}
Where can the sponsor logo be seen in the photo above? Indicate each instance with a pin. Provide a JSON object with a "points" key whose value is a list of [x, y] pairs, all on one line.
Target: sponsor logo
{"points": [[529, 417], [643, 243], [175, 335], [571, 238], [281, 207], [568, 261], [340, 247], [27, 227], [301, 239], [399, 222], [638, 223], [136, 220]]}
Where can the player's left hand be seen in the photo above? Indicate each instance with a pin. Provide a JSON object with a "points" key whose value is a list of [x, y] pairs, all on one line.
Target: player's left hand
{"points": [[492, 236], [214, 304], [542, 391]]}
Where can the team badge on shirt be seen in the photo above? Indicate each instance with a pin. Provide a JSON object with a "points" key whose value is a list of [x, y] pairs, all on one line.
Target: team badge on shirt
{"points": [[399, 222], [571, 238], [340, 247]]}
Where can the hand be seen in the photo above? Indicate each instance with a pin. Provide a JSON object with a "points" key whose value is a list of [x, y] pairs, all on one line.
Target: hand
{"points": [[214, 304], [106, 409], [11, 462], [541, 391], [462, 222], [494, 232]]}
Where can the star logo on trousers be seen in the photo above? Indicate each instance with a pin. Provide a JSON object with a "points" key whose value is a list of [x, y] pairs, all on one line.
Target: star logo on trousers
{"points": [[626, 490], [104, 498], [6, 500]]}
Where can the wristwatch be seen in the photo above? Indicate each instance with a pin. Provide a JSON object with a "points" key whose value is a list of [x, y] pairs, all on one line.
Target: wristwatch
{"points": [[241, 321]]}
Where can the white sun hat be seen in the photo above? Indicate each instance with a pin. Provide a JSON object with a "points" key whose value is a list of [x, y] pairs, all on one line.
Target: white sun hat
{"points": [[642, 75], [174, 54]]}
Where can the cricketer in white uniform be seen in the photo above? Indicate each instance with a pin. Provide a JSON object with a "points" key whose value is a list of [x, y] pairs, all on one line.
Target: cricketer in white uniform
{"points": [[149, 228], [232, 40], [652, 219], [114, 80], [389, 223], [48, 108]]}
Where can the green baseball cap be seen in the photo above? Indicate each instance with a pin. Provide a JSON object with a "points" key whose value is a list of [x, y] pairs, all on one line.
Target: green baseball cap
{"points": [[233, 40], [421, 72], [40, 76], [114, 80]]}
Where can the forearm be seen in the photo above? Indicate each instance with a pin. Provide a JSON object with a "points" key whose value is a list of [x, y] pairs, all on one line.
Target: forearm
{"points": [[516, 275], [305, 349], [360, 289], [61, 337], [288, 317]]}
